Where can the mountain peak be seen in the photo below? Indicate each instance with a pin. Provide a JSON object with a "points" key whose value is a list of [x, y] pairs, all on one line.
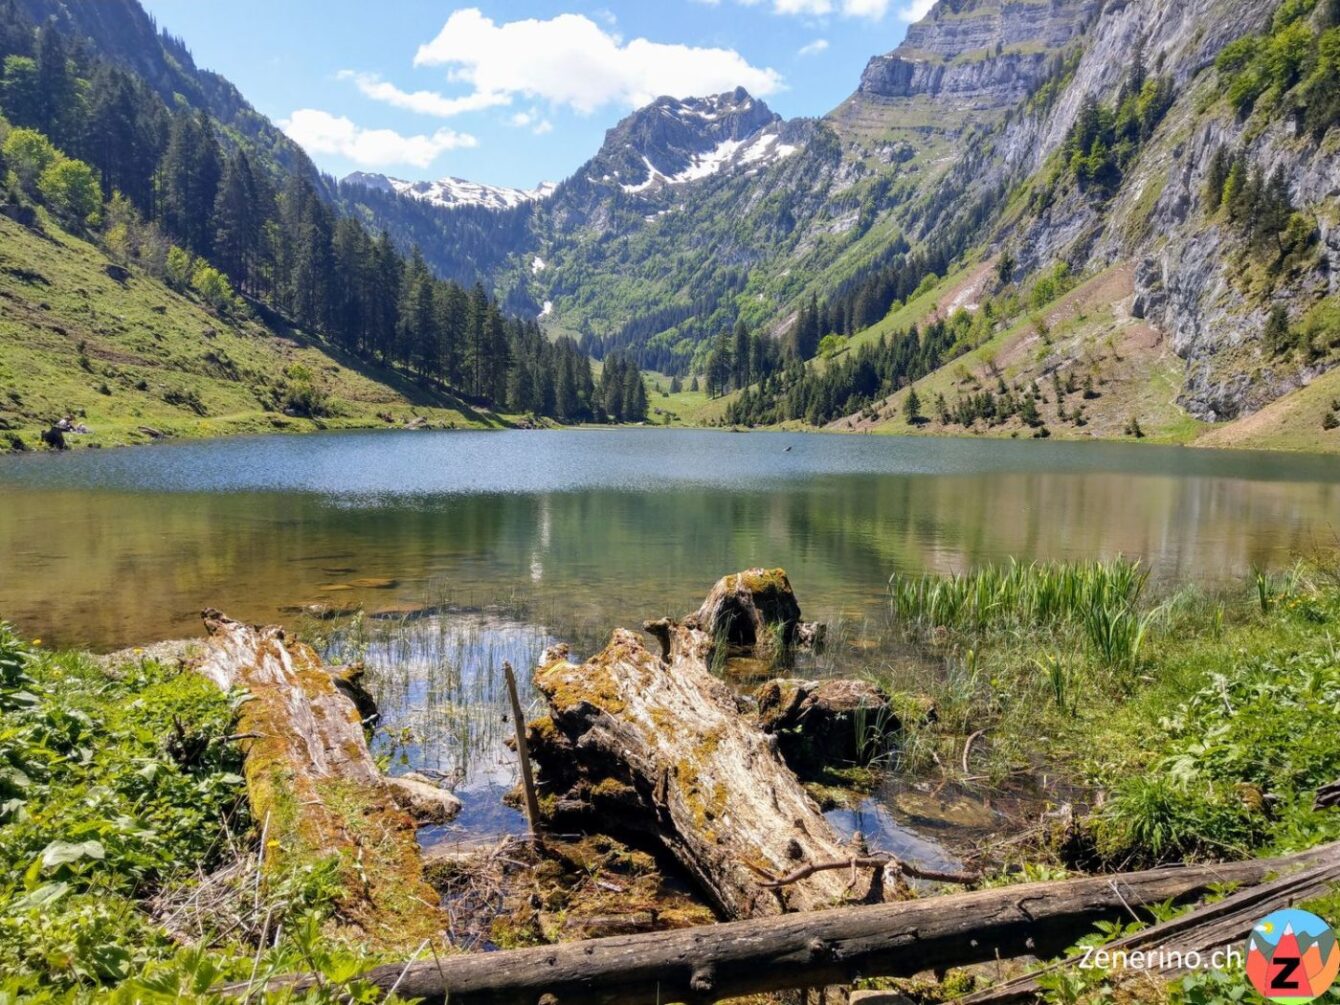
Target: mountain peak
{"points": [[677, 140], [449, 193]]}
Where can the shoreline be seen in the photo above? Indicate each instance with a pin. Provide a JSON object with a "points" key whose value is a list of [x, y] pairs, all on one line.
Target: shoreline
{"points": [[264, 424]]}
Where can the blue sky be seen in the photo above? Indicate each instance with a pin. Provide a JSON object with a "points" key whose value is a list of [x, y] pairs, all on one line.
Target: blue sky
{"points": [[515, 92]]}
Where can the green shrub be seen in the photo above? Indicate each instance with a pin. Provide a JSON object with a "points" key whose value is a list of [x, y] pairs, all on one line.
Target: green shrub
{"points": [[110, 787], [28, 154], [1238, 761], [72, 191], [213, 287]]}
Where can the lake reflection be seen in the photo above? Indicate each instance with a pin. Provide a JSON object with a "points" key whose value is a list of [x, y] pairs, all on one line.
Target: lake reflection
{"points": [[605, 527]]}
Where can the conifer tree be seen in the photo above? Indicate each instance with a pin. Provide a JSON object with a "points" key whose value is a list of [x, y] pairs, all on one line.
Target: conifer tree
{"points": [[1215, 178], [191, 172], [238, 221], [912, 407], [740, 356]]}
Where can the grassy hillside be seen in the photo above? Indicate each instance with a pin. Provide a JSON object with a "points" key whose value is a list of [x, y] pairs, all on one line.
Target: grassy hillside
{"points": [[134, 360], [1119, 367], [1133, 371], [1086, 334]]}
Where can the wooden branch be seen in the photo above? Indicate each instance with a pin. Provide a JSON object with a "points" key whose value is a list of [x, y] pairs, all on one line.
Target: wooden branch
{"points": [[1328, 796], [869, 862], [815, 949], [523, 755], [1203, 930]]}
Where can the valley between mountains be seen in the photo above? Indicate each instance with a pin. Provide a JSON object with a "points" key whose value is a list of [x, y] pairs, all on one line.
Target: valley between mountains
{"points": [[1034, 218]]}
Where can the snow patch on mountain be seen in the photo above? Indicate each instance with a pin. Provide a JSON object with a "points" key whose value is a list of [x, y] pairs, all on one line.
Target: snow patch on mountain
{"points": [[728, 155], [452, 192]]}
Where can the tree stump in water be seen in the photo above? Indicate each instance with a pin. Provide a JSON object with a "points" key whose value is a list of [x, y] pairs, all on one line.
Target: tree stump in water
{"points": [[818, 723], [754, 611], [654, 743]]}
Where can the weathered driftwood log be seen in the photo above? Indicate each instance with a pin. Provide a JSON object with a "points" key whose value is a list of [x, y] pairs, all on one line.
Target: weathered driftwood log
{"points": [[1168, 947], [314, 787], [653, 743], [1328, 796], [660, 746], [817, 949], [826, 722]]}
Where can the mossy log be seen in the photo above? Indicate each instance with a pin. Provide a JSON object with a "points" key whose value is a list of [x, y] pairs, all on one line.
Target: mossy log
{"points": [[653, 742], [314, 788]]}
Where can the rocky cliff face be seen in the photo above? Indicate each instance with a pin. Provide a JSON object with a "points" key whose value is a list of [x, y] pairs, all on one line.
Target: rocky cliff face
{"points": [[1188, 278], [988, 54]]}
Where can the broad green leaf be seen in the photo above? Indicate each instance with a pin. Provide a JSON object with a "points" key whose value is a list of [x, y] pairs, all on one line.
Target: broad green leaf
{"points": [[60, 853], [43, 896]]}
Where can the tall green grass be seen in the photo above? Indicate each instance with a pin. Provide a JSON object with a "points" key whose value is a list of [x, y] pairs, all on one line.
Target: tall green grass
{"points": [[1102, 599], [1016, 595]]}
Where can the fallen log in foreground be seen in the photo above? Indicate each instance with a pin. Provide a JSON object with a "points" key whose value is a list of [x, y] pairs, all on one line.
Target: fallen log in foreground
{"points": [[314, 787], [817, 949], [1169, 946], [653, 742]]}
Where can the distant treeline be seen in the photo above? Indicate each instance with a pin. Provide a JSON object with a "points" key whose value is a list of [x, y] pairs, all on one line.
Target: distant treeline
{"points": [[853, 381]]}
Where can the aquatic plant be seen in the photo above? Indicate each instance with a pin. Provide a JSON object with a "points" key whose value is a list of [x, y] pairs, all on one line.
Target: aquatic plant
{"points": [[1016, 595]]}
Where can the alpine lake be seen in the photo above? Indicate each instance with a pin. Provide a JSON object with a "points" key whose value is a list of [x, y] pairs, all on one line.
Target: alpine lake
{"points": [[436, 556]]}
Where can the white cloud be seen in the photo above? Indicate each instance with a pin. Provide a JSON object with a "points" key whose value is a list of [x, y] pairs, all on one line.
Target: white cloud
{"points": [[319, 132], [813, 48], [570, 60], [423, 102], [533, 121], [916, 10]]}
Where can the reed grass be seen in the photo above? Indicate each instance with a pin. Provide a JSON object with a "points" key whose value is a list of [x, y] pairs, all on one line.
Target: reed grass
{"points": [[1100, 598], [1017, 595]]}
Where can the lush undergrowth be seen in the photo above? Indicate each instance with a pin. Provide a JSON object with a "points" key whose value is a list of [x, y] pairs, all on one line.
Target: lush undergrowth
{"points": [[1178, 725], [119, 790], [1188, 725]]}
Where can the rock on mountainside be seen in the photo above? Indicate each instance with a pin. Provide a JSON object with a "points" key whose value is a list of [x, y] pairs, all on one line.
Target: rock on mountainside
{"points": [[673, 141], [978, 54], [1188, 264]]}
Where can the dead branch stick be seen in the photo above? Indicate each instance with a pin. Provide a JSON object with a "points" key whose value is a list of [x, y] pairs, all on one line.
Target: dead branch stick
{"points": [[866, 862], [967, 748], [523, 755]]}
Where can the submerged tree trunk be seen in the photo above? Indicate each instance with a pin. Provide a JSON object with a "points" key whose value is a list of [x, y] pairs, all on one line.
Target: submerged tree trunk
{"points": [[653, 742], [314, 788]]}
